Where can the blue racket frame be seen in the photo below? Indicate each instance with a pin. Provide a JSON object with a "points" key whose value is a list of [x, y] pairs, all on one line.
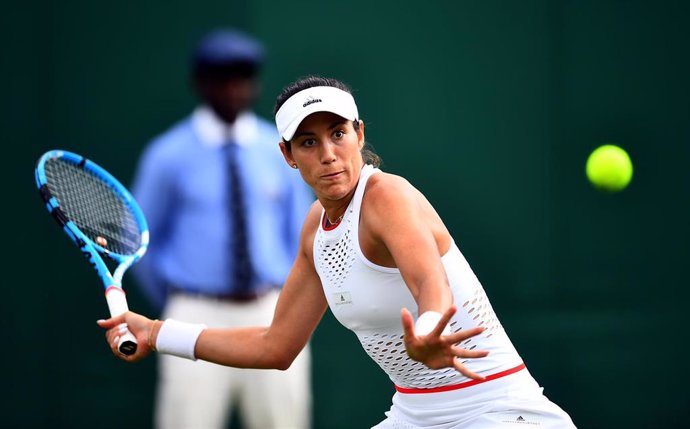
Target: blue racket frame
{"points": [[91, 250]]}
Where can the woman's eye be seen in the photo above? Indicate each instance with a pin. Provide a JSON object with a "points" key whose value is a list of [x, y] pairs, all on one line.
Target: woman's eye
{"points": [[310, 142], [339, 134]]}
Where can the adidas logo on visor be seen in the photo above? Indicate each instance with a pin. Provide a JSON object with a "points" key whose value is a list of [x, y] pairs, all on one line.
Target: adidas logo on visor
{"points": [[311, 100]]}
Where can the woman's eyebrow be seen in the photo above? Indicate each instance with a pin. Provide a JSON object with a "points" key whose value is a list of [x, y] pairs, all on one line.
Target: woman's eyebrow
{"points": [[337, 123], [303, 133], [330, 127]]}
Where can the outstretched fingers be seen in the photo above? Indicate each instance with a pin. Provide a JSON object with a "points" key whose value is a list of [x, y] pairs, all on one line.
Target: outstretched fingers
{"points": [[443, 321], [464, 334], [466, 372], [461, 353], [407, 323]]}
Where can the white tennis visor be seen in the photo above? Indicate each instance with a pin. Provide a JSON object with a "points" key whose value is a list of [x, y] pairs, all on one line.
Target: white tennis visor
{"points": [[312, 100]]}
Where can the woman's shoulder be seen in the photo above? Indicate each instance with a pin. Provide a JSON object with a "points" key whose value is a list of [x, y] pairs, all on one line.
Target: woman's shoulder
{"points": [[388, 195], [386, 185], [312, 219], [309, 228], [314, 213]]}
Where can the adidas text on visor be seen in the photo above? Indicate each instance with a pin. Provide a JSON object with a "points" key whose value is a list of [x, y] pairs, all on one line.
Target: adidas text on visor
{"points": [[312, 100]]}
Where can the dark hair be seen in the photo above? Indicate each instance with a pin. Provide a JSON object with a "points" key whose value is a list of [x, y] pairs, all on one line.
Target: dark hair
{"points": [[311, 81]]}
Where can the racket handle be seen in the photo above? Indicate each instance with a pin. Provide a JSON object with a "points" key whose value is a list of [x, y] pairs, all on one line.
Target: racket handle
{"points": [[127, 345], [117, 304]]}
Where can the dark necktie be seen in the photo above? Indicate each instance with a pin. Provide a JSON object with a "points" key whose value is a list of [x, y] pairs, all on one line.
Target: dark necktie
{"points": [[239, 251]]}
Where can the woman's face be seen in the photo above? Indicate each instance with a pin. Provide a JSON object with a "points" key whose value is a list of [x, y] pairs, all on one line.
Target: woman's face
{"points": [[326, 149]]}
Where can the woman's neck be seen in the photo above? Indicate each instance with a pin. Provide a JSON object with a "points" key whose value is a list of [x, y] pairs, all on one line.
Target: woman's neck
{"points": [[335, 213]]}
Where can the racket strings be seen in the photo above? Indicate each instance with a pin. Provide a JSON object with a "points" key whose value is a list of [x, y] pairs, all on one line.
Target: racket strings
{"points": [[94, 206]]}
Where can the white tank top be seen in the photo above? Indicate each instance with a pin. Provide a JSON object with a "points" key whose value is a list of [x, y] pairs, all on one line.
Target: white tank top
{"points": [[367, 298]]}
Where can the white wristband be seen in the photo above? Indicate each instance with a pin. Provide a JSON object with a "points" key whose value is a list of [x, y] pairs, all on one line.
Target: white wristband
{"points": [[427, 322], [178, 338]]}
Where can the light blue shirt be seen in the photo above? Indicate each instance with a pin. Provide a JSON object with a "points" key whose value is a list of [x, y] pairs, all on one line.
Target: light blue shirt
{"points": [[182, 184]]}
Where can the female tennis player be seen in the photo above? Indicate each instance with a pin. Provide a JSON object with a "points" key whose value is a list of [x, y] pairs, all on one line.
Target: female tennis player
{"points": [[375, 251]]}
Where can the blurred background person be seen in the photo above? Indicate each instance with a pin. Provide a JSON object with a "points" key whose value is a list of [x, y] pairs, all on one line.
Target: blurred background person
{"points": [[225, 214]]}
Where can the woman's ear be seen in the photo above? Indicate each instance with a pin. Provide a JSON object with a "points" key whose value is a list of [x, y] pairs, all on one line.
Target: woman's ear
{"points": [[360, 134], [287, 154]]}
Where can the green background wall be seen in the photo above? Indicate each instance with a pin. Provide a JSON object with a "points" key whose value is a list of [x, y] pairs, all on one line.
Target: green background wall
{"points": [[490, 108]]}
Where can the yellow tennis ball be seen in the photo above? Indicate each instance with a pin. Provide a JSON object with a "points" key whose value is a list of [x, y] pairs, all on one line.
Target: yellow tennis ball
{"points": [[609, 168]]}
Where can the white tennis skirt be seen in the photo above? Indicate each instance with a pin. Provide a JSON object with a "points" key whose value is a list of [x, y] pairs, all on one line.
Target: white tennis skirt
{"points": [[514, 401]]}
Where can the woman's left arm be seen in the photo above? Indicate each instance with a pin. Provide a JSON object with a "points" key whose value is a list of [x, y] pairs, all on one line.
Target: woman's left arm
{"points": [[403, 230]]}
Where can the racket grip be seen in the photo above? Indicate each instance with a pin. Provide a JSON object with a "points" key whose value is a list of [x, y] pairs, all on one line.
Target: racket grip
{"points": [[127, 345], [117, 304]]}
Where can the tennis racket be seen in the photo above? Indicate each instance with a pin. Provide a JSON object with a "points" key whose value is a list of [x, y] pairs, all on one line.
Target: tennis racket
{"points": [[102, 219]]}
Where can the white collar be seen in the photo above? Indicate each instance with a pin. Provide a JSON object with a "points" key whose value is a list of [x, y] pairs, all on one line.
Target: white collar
{"points": [[213, 132]]}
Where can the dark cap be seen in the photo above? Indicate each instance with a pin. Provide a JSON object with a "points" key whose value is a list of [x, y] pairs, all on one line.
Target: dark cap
{"points": [[226, 48]]}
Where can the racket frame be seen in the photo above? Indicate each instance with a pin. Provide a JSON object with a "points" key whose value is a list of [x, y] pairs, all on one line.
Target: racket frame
{"points": [[93, 252]]}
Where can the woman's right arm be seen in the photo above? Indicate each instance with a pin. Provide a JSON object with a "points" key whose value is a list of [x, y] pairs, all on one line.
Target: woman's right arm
{"points": [[300, 307]]}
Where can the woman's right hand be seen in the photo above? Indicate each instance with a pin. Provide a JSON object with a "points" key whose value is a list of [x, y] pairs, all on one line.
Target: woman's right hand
{"points": [[141, 327]]}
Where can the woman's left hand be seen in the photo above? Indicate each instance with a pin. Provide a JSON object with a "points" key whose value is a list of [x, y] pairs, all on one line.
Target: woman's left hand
{"points": [[439, 351]]}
